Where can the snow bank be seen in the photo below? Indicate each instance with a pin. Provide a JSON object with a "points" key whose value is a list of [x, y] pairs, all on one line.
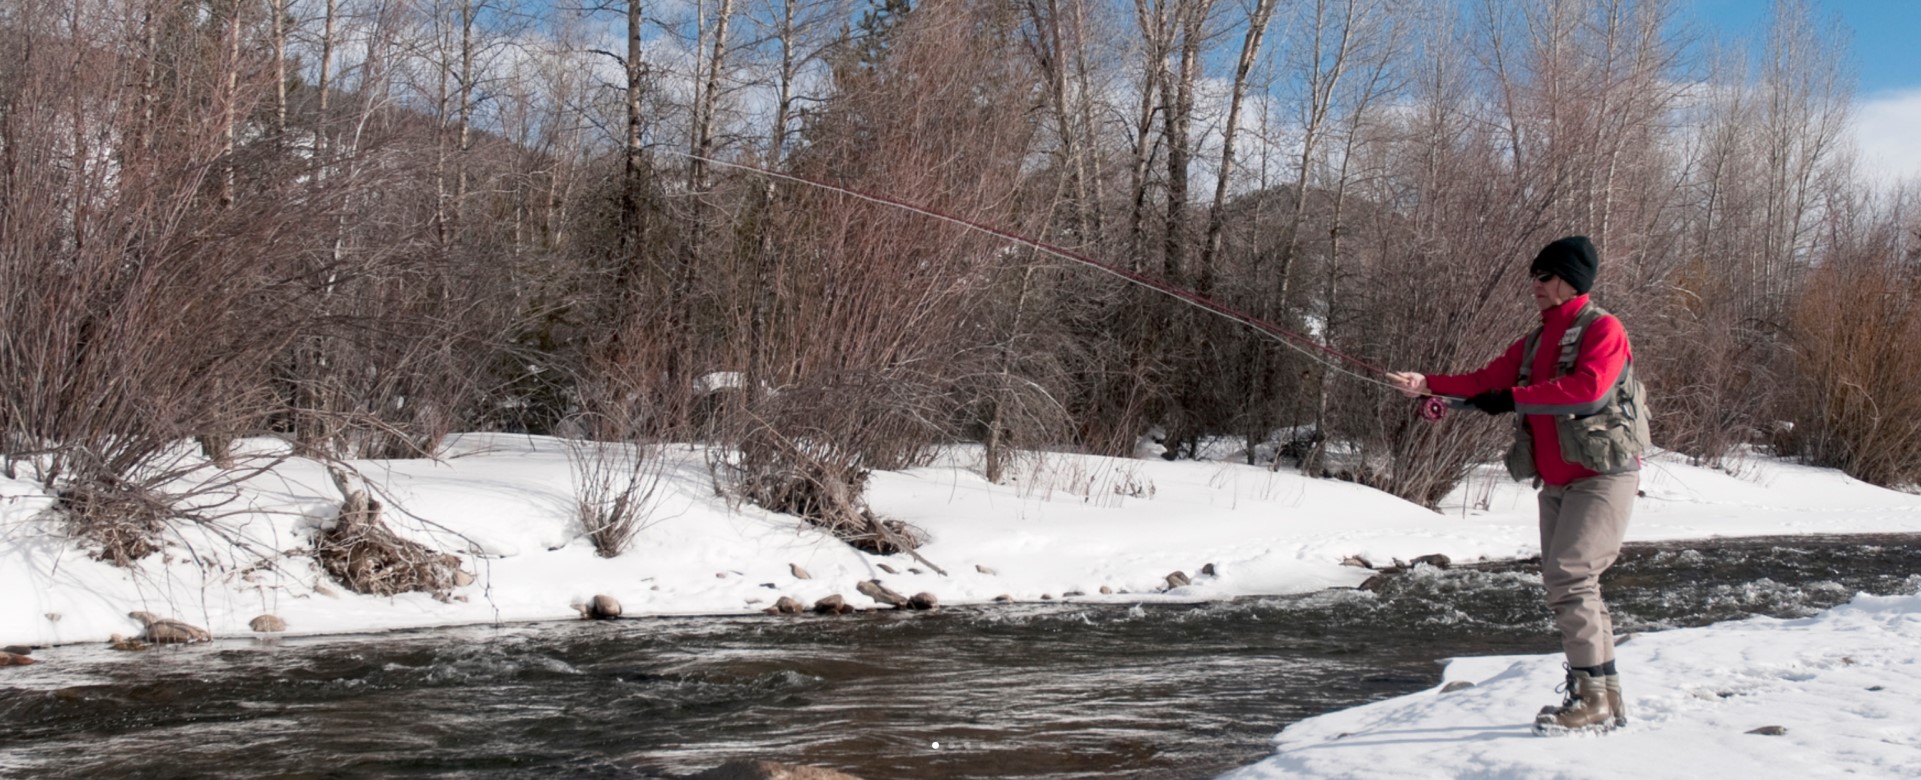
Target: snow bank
{"points": [[1060, 524], [1845, 684]]}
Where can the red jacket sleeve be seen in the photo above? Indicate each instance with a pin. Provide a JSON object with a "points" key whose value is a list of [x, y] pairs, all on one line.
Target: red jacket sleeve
{"points": [[1498, 375], [1603, 355]]}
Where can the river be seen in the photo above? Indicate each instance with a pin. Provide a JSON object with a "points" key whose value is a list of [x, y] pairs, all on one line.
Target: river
{"points": [[1051, 690]]}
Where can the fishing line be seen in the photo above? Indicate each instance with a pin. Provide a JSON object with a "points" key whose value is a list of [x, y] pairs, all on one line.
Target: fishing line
{"points": [[1432, 407]]}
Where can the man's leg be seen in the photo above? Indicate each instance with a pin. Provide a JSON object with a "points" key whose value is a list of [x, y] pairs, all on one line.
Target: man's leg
{"points": [[1582, 525], [1581, 530]]}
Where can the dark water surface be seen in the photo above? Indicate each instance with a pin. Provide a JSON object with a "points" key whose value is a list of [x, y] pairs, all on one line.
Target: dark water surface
{"points": [[1060, 690]]}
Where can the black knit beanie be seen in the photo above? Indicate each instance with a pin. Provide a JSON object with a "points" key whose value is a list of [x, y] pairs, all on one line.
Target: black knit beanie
{"points": [[1570, 258]]}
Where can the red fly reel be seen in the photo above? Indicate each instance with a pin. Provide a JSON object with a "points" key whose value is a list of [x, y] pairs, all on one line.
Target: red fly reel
{"points": [[1433, 408]]}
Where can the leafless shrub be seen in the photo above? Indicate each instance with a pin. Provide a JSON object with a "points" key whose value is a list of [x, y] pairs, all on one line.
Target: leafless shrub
{"points": [[137, 266], [1713, 373], [614, 490], [1016, 400], [124, 519], [863, 349], [1853, 404]]}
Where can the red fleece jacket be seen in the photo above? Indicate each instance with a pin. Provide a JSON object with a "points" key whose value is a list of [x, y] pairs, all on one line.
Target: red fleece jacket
{"points": [[1604, 353]]}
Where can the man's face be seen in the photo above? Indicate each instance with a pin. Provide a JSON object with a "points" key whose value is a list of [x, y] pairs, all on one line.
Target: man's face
{"points": [[1551, 291]]}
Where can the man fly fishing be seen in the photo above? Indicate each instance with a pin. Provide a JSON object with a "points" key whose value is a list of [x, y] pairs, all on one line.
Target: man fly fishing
{"points": [[1579, 434]]}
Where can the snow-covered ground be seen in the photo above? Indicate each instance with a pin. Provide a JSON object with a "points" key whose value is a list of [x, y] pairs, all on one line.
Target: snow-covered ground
{"points": [[1059, 525], [1845, 686]]}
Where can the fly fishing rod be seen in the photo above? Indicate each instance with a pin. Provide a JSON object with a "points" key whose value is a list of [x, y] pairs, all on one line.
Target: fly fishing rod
{"points": [[1432, 407]]}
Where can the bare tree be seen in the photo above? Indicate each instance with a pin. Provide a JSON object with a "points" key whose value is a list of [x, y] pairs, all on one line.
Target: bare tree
{"points": [[137, 295]]}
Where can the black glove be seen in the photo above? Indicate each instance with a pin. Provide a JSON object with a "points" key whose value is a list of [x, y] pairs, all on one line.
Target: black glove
{"points": [[1493, 401]]}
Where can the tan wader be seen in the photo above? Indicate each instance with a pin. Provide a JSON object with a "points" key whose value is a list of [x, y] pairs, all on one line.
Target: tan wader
{"points": [[1582, 525]]}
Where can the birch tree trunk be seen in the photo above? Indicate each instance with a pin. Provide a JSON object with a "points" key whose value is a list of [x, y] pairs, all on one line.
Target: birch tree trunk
{"points": [[1257, 22]]}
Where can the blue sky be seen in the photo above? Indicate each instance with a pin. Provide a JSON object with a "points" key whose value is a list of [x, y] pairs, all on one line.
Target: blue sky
{"points": [[1884, 34], [1885, 50]]}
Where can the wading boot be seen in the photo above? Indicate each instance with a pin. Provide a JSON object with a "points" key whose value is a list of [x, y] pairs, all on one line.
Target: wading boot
{"points": [[1585, 710], [1616, 703]]}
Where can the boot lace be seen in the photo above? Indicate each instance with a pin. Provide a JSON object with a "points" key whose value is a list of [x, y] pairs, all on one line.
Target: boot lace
{"points": [[1569, 688]]}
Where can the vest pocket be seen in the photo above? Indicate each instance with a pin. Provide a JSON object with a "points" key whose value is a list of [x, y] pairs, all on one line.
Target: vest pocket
{"points": [[1603, 443], [1520, 456]]}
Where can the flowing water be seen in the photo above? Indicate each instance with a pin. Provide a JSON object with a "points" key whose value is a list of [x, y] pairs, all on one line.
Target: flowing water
{"points": [[1057, 690]]}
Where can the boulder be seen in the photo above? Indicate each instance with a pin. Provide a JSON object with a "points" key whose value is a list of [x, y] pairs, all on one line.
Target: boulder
{"points": [[18, 649], [1178, 580], [1003, 599], [886, 568], [1208, 570], [984, 570], [124, 644], [833, 605], [167, 631], [788, 605], [1456, 686], [14, 659], [798, 572], [268, 624], [923, 600], [769, 770], [1374, 583], [1770, 731], [1436, 560], [174, 632], [1358, 561], [1107, 591], [600, 607], [878, 592]]}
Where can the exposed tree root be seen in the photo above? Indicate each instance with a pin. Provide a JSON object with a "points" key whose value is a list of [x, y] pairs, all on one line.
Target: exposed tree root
{"points": [[363, 554]]}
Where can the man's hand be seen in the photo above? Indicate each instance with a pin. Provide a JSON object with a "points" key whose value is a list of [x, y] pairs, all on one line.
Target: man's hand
{"points": [[1493, 401], [1409, 383]]}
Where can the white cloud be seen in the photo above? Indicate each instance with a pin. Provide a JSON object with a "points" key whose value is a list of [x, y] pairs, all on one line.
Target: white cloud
{"points": [[1884, 134]]}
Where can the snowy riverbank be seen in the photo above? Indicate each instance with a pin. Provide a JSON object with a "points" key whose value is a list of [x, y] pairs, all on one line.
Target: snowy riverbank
{"points": [[1842, 690], [1061, 524]]}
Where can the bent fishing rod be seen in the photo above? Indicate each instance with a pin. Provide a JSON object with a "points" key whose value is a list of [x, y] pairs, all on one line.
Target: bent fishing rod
{"points": [[1433, 406]]}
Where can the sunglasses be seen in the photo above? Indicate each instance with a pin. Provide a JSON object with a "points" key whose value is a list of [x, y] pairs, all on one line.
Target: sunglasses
{"points": [[1543, 277]]}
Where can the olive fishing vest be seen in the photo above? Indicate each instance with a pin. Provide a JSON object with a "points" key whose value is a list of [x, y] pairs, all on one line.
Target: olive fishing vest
{"points": [[1609, 441]]}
